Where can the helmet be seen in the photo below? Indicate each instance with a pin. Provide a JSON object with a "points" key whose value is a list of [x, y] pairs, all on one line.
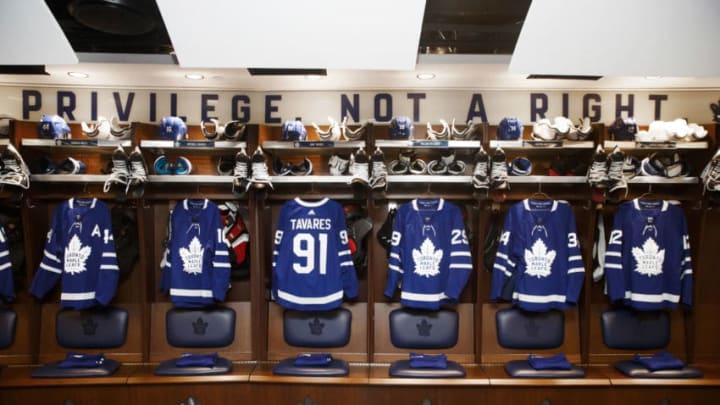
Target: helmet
{"points": [[510, 129], [401, 128], [173, 128], [53, 127], [294, 131], [623, 129]]}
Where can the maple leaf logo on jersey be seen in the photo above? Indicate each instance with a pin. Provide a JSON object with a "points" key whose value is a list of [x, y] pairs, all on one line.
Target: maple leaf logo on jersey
{"points": [[649, 259], [427, 259], [76, 255], [192, 257], [539, 260]]}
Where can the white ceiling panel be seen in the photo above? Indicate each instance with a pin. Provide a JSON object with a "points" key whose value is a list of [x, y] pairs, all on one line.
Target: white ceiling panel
{"points": [[620, 38], [332, 34], [30, 35]]}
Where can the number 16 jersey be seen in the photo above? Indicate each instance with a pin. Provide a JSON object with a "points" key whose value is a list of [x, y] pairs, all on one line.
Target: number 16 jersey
{"points": [[311, 260]]}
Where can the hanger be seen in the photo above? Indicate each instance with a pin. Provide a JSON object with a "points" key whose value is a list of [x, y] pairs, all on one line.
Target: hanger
{"points": [[648, 194], [313, 190], [428, 192], [539, 194]]}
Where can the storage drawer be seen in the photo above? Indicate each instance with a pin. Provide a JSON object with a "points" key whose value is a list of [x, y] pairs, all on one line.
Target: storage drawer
{"points": [[538, 395], [71, 395], [176, 394], [308, 394], [427, 395], [667, 395]]}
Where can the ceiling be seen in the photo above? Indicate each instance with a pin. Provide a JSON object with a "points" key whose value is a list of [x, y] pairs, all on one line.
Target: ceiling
{"points": [[467, 44], [136, 26], [472, 26]]}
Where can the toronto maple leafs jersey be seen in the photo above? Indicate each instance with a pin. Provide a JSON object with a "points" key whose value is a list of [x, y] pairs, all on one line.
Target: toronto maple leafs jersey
{"points": [[80, 252], [647, 263], [7, 287], [429, 254], [538, 257], [196, 267], [311, 261]]}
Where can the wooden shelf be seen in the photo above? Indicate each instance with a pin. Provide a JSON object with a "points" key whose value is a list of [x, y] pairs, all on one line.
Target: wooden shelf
{"points": [[75, 145], [194, 146], [428, 179], [68, 178], [632, 145], [547, 179], [190, 179], [426, 144], [663, 180], [320, 179], [305, 146], [530, 145]]}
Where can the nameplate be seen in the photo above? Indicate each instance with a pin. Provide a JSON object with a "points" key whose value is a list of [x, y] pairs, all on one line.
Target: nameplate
{"points": [[314, 144], [195, 144], [76, 142], [543, 144], [430, 144], [656, 145]]}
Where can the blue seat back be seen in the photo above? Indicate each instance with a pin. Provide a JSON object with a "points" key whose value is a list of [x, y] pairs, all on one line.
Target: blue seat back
{"points": [[317, 328], [417, 329], [518, 329], [101, 328], [8, 320], [633, 330], [212, 327]]}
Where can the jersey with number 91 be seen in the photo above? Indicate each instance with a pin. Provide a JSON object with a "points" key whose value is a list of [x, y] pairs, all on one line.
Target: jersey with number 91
{"points": [[311, 261]]}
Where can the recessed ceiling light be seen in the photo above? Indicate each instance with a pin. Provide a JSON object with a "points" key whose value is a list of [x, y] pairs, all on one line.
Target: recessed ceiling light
{"points": [[314, 77], [194, 76], [653, 77], [425, 76], [78, 75]]}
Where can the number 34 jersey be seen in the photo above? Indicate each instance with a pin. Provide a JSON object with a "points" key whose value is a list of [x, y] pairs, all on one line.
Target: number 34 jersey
{"points": [[311, 260], [538, 257]]}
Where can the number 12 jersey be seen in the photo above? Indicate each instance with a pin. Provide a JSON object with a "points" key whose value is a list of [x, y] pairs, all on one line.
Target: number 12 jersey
{"points": [[311, 260]]}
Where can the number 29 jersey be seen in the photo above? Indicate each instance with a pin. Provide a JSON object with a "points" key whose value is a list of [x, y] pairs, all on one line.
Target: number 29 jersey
{"points": [[311, 260]]}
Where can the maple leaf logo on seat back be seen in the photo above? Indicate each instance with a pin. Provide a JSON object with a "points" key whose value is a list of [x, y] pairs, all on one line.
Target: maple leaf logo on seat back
{"points": [[427, 259], [649, 259], [192, 257], [76, 255], [539, 261]]}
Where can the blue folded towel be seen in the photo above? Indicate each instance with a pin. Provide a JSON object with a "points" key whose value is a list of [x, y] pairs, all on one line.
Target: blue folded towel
{"points": [[313, 359], [556, 362], [197, 360], [79, 360], [418, 360], [659, 361]]}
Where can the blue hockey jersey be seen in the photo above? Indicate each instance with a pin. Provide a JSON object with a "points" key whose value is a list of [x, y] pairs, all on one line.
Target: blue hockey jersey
{"points": [[429, 254], [647, 263], [196, 267], [311, 260], [7, 286], [538, 257], [79, 250]]}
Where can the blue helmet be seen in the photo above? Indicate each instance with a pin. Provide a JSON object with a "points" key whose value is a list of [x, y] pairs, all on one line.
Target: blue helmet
{"points": [[401, 128], [173, 128], [294, 131], [510, 129], [53, 127], [623, 129]]}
